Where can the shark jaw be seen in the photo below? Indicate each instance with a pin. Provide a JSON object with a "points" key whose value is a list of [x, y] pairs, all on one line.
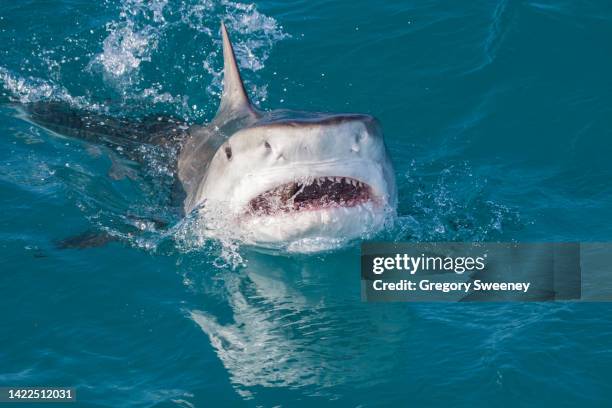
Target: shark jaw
{"points": [[314, 194], [314, 213], [297, 209]]}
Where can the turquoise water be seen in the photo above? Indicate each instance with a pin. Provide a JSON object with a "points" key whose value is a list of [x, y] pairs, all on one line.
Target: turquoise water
{"points": [[497, 115]]}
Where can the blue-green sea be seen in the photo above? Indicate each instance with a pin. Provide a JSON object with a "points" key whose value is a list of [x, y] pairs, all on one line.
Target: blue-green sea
{"points": [[498, 118]]}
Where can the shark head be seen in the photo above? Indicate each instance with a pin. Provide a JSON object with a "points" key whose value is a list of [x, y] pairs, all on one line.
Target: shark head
{"points": [[302, 181]]}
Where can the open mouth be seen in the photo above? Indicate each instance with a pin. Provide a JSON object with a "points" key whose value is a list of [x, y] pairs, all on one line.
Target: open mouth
{"points": [[316, 194]]}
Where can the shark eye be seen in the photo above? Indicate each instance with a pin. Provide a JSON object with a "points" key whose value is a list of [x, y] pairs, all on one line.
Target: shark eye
{"points": [[267, 145], [228, 153]]}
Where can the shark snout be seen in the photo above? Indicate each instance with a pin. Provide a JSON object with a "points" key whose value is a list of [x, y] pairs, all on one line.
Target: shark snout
{"points": [[305, 143], [320, 142]]}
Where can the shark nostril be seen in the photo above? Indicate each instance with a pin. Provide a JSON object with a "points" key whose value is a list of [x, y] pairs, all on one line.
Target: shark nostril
{"points": [[228, 153]]}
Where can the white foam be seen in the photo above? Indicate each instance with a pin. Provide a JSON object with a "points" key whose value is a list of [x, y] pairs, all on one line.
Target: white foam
{"points": [[131, 39], [31, 89], [135, 38]]}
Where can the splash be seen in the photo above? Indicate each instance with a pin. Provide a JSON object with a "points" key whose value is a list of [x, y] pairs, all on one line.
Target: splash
{"points": [[449, 204], [131, 40], [31, 89], [141, 40], [124, 50], [253, 36]]}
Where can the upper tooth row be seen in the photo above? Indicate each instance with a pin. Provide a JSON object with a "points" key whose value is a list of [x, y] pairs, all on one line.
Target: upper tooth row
{"points": [[339, 180]]}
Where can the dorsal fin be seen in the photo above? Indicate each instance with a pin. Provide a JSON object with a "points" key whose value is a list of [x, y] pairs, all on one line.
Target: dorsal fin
{"points": [[234, 100]]}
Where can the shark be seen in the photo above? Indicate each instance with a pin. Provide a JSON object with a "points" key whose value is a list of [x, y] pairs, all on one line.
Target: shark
{"points": [[303, 181]]}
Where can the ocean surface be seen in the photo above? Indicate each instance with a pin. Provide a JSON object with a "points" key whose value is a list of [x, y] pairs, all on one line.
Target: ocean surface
{"points": [[497, 115]]}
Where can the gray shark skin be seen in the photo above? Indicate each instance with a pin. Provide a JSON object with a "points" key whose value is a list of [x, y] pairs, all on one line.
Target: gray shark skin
{"points": [[277, 178]]}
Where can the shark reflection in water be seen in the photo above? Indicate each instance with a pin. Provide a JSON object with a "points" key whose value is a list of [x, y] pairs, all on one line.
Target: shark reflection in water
{"points": [[300, 324]]}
